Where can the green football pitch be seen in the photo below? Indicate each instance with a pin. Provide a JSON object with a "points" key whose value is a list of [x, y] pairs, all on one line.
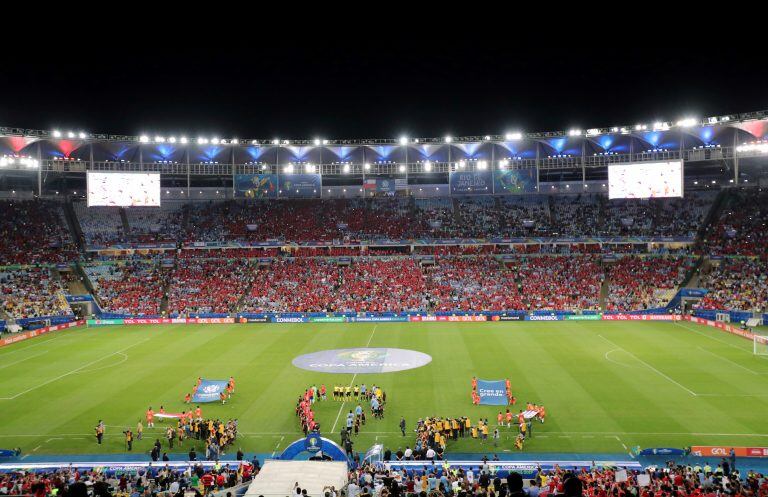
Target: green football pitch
{"points": [[607, 386]]}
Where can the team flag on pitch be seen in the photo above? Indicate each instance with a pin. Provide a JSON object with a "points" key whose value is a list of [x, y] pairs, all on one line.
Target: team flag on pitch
{"points": [[492, 392], [210, 390]]}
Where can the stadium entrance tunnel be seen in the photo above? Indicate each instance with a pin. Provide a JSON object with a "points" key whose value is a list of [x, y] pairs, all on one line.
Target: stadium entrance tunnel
{"points": [[328, 448]]}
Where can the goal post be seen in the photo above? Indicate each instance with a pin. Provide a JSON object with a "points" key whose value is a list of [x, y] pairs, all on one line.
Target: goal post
{"points": [[760, 345]]}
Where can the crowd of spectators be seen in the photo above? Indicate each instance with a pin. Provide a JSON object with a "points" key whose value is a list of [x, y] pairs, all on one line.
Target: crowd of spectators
{"points": [[207, 285], [736, 284], [637, 283], [742, 226], [155, 223], [132, 288], [671, 479], [149, 481], [34, 232], [319, 285], [32, 292]]}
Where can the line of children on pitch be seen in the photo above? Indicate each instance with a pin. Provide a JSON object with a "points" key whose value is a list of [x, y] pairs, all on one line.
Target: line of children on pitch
{"points": [[304, 408]]}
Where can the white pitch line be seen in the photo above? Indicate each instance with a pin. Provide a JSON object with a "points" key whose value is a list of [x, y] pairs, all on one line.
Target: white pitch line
{"points": [[748, 351], [30, 346], [651, 367], [22, 360], [728, 360], [352, 382], [72, 372], [276, 446]]}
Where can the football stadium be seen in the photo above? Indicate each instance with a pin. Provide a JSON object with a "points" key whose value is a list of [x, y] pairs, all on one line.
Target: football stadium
{"points": [[572, 312]]}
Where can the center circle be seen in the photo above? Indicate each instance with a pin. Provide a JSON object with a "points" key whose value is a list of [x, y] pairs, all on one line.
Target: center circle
{"points": [[362, 360]]}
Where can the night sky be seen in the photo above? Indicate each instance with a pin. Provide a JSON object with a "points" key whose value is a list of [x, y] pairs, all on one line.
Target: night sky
{"points": [[355, 89]]}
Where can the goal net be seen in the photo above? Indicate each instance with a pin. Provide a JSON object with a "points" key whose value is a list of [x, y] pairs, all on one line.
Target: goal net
{"points": [[760, 345]]}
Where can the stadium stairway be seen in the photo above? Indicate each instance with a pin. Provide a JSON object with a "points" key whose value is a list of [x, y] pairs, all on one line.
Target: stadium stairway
{"points": [[74, 226], [604, 289], [74, 287], [124, 219], [721, 201], [87, 283], [456, 210]]}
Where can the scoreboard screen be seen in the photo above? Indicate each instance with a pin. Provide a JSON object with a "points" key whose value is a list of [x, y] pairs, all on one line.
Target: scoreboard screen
{"points": [[645, 180], [123, 189]]}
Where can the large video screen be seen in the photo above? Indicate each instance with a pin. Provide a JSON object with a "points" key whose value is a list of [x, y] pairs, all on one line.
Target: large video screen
{"points": [[123, 189], [645, 180]]}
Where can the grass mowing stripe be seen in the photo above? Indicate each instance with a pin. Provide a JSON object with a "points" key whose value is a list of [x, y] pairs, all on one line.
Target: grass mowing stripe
{"points": [[72, 372], [590, 400], [729, 361], [651, 367]]}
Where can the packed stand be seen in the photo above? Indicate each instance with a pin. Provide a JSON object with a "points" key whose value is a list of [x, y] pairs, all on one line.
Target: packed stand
{"points": [[149, 224], [736, 284], [742, 226], [133, 288], [207, 285], [656, 217], [152, 480], [34, 232], [101, 226], [299, 220], [557, 282], [638, 283], [32, 293], [575, 215], [318, 285]]}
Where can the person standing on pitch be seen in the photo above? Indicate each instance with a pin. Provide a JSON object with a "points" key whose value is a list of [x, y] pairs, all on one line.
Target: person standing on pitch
{"points": [[128, 440], [99, 432], [402, 425]]}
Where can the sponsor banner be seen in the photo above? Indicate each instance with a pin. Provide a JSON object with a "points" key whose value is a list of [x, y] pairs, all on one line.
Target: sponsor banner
{"points": [[641, 317], [254, 320], [379, 319], [212, 320], [78, 298], [278, 319], [512, 181], [722, 326], [209, 390], [693, 292], [492, 393], [582, 317], [362, 360], [104, 322], [453, 319], [725, 451], [300, 185], [507, 318], [20, 337], [148, 321], [328, 319], [471, 182], [255, 186], [543, 318], [663, 451]]}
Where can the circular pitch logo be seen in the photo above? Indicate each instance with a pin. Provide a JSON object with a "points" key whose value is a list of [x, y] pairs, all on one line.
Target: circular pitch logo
{"points": [[362, 360]]}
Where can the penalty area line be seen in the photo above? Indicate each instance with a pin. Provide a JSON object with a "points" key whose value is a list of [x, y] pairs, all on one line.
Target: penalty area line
{"points": [[694, 394], [73, 371]]}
